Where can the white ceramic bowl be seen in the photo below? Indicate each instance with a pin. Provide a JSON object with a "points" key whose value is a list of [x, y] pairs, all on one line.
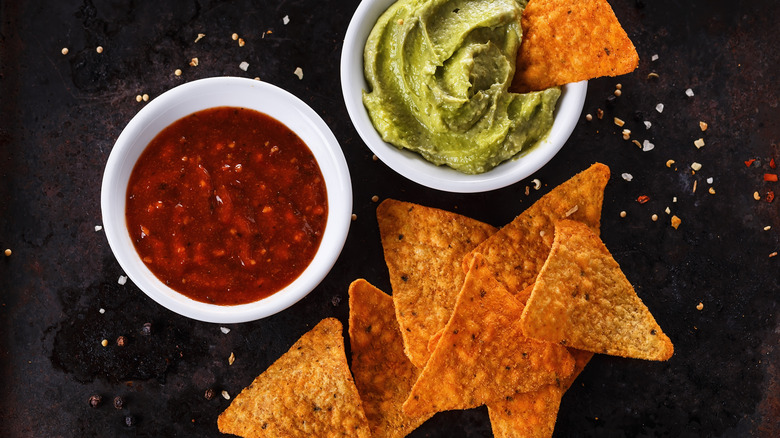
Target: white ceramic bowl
{"points": [[238, 92], [411, 165]]}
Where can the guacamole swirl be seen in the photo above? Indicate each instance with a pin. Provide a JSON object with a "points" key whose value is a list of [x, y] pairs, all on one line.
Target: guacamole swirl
{"points": [[439, 73]]}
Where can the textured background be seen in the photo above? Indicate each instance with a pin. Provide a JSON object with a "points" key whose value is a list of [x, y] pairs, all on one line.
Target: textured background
{"points": [[59, 117]]}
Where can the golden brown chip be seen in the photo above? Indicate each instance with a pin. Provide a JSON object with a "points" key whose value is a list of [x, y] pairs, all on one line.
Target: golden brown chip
{"points": [[307, 392], [583, 300], [568, 41], [533, 414], [383, 374], [423, 250], [517, 252], [482, 355]]}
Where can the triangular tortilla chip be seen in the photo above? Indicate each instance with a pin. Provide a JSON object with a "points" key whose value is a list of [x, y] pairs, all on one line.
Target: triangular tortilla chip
{"points": [[482, 355], [423, 250], [383, 374], [307, 392], [517, 252], [583, 300], [568, 41], [533, 414]]}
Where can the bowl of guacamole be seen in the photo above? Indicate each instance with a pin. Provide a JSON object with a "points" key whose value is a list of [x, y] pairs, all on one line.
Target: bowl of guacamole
{"points": [[426, 85]]}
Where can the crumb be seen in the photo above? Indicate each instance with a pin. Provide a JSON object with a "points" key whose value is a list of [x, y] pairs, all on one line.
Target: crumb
{"points": [[194, 62], [676, 221], [703, 126], [699, 143], [99, 49], [199, 37], [700, 306], [298, 72], [64, 50]]}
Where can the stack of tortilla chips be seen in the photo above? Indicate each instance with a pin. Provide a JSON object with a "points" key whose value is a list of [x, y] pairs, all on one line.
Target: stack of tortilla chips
{"points": [[511, 331]]}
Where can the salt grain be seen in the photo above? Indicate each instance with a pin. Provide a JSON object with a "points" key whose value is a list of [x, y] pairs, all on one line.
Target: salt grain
{"points": [[98, 227], [709, 180], [102, 310], [647, 146], [286, 19], [244, 65], [122, 280], [659, 107], [689, 92], [224, 330], [627, 176], [648, 124], [654, 58]]}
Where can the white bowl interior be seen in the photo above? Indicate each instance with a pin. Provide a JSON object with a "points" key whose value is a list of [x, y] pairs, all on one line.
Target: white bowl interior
{"points": [[411, 165], [238, 92]]}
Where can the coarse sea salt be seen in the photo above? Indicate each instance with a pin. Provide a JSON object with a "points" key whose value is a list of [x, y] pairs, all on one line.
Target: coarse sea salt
{"points": [[659, 107], [122, 280], [647, 146], [627, 176], [224, 330]]}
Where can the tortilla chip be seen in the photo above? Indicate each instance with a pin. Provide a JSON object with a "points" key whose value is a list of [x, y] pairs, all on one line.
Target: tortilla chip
{"points": [[423, 250], [383, 374], [583, 300], [533, 414], [482, 356], [307, 392], [517, 252], [568, 41]]}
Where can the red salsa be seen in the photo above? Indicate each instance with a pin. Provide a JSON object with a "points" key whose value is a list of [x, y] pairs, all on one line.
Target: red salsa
{"points": [[226, 206]]}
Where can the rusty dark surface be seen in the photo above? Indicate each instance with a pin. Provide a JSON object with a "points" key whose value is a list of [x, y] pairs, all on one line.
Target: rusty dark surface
{"points": [[60, 115]]}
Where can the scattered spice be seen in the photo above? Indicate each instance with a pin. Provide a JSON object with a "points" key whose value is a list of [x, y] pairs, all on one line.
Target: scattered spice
{"points": [[703, 126], [209, 394], [642, 199], [121, 341], [699, 143], [572, 210], [619, 122], [95, 400], [750, 162], [700, 306], [767, 228], [770, 177], [654, 57], [668, 210], [695, 184], [772, 163], [119, 403], [770, 196], [231, 358], [676, 221], [64, 50]]}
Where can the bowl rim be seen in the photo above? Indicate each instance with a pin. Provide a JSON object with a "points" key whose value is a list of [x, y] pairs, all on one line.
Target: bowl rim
{"points": [[410, 164], [208, 93]]}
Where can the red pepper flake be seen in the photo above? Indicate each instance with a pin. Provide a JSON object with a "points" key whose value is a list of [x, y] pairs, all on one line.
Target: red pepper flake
{"points": [[772, 163], [749, 162], [770, 177], [642, 199], [770, 196]]}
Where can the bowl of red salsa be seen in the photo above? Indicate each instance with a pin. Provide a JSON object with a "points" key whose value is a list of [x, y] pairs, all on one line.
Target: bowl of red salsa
{"points": [[226, 199]]}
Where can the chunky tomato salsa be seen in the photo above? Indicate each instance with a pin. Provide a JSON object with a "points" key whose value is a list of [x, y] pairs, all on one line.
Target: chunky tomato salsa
{"points": [[227, 206]]}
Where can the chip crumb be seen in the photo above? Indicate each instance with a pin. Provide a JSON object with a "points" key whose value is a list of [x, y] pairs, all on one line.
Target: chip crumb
{"points": [[774, 254], [65, 50], [225, 395], [654, 217], [122, 280], [648, 124], [588, 117], [756, 196], [623, 213], [689, 92], [375, 198], [537, 184], [241, 42], [98, 227], [669, 163], [627, 176], [711, 190], [700, 306], [599, 113], [224, 330], [298, 72], [636, 142], [199, 37], [286, 19], [234, 36], [177, 72], [99, 49], [647, 146], [626, 134], [676, 221], [619, 122], [696, 166], [104, 342], [231, 358], [767, 228], [659, 107], [243, 66], [194, 62], [8, 252], [699, 143], [703, 126], [695, 184], [668, 210]]}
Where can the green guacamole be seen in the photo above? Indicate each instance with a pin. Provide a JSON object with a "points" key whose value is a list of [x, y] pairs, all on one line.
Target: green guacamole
{"points": [[438, 73]]}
